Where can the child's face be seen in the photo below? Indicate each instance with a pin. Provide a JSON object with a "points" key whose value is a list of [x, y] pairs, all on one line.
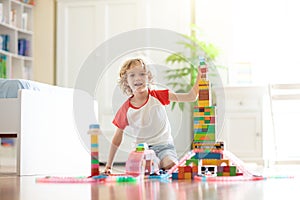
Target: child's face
{"points": [[137, 78]]}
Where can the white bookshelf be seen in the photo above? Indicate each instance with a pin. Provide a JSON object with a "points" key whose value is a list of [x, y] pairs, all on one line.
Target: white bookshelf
{"points": [[16, 28]]}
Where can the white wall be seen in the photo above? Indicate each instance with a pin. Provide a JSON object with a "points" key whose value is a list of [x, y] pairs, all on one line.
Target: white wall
{"points": [[44, 41]]}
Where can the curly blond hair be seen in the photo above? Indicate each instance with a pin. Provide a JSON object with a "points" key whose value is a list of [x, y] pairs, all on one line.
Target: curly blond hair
{"points": [[123, 83]]}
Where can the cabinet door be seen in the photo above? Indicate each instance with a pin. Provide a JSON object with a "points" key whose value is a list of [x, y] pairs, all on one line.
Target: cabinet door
{"points": [[242, 135]]}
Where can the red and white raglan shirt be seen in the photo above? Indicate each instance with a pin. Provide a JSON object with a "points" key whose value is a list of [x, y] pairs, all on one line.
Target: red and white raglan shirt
{"points": [[148, 123]]}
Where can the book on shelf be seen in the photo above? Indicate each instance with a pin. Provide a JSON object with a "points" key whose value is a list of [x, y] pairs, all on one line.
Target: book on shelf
{"points": [[3, 66], [23, 47], [4, 42], [1, 42], [13, 17], [24, 20]]}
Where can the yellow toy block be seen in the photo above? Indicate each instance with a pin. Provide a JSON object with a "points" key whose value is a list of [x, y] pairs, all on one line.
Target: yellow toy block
{"points": [[203, 84], [187, 175], [203, 103], [215, 162], [94, 139]]}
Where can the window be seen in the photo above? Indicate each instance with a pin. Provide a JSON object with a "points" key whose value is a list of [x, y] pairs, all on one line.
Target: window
{"points": [[259, 40]]}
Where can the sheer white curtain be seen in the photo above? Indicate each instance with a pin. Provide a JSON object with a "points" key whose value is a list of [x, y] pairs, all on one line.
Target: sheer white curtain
{"points": [[262, 35]]}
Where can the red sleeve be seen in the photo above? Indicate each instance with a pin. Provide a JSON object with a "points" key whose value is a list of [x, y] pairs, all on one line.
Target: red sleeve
{"points": [[161, 95], [120, 119]]}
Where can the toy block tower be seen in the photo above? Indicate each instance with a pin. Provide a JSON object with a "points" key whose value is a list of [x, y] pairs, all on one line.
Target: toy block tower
{"points": [[94, 132], [208, 157], [204, 113]]}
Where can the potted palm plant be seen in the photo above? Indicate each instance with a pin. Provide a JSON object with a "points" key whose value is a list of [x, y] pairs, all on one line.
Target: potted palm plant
{"points": [[188, 64]]}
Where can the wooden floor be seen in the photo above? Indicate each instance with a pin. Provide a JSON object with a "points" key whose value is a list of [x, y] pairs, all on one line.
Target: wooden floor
{"points": [[13, 187]]}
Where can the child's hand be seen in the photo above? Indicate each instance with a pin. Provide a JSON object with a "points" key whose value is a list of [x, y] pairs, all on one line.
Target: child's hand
{"points": [[107, 170]]}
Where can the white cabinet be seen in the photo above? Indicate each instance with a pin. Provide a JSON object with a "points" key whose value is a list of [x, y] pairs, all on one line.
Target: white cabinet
{"points": [[16, 29], [242, 131]]}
